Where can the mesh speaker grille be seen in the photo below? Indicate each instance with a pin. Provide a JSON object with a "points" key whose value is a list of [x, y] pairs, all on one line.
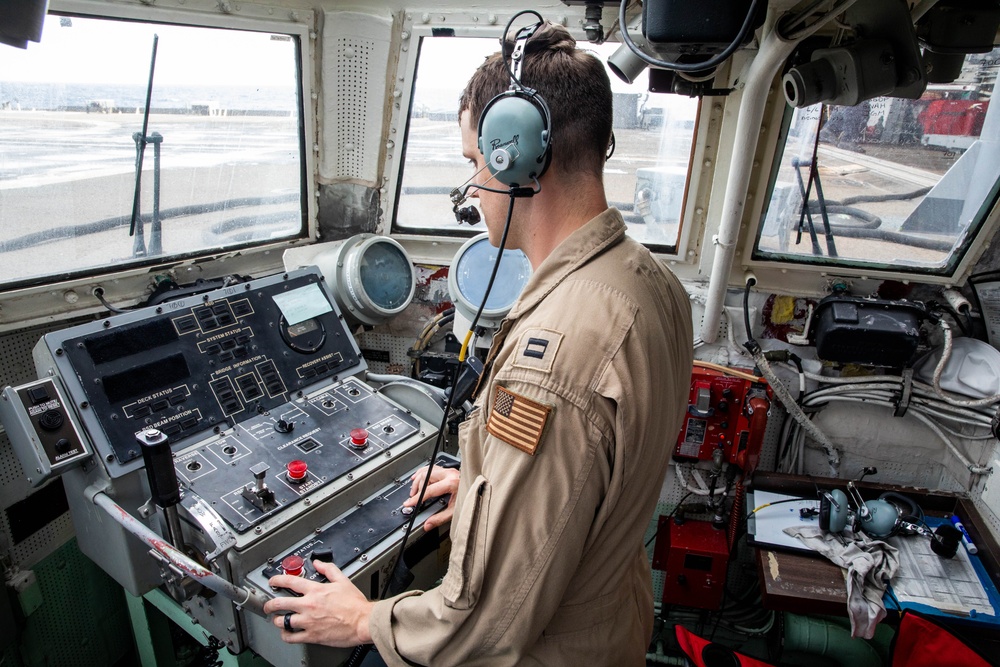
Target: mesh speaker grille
{"points": [[353, 58]]}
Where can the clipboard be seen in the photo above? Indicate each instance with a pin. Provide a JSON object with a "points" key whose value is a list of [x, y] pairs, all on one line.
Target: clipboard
{"points": [[765, 527]]}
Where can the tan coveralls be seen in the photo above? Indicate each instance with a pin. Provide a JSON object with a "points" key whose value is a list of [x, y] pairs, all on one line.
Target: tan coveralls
{"points": [[547, 564]]}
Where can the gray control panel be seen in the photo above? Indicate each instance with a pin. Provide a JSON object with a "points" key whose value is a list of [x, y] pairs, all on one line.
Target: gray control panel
{"points": [[42, 431]]}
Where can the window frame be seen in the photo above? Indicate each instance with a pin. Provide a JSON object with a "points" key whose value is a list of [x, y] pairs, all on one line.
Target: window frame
{"points": [[789, 275], [253, 18], [439, 246]]}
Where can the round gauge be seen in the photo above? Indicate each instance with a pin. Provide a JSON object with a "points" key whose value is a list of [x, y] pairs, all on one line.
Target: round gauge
{"points": [[306, 337], [372, 278], [470, 274]]}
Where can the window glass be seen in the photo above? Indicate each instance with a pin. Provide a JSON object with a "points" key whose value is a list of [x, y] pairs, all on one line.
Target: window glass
{"points": [[646, 178], [891, 183], [222, 163]]}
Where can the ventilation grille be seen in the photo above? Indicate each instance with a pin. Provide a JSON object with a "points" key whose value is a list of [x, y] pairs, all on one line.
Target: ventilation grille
{"points": [[355, 54], [353, 60]]}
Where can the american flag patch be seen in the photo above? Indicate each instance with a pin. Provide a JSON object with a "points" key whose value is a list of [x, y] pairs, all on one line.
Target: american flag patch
{"points": [[517, 420]]}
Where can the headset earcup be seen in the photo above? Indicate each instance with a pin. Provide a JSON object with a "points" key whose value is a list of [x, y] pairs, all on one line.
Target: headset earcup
{"points": [[832, 518], [883, 518], [514, 137]]}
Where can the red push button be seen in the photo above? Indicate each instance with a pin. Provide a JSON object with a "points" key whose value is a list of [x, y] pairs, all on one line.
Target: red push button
{"points": [[359, 438], [292, 565], [296, 471]]}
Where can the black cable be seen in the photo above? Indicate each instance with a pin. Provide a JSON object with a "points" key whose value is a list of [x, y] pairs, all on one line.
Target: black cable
{"points": [[208, 655], [99, 293], [96, 227], [898, 238], [873, 199], [895, 600], [669, 517], [359, 652], [751, 344], [795, 359]]}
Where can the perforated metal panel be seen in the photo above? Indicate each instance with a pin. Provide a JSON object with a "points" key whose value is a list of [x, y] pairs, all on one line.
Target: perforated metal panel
{"points": [[356, 51], [396, 346], [17, 367], [353, 58], [83, 619]]}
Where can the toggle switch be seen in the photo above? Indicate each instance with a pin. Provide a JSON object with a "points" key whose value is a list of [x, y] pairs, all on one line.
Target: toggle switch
{"points": [[325, 555]]}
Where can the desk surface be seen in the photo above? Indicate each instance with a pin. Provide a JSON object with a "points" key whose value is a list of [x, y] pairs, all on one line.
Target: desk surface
{"points": [[801, 584], [807, 584]]}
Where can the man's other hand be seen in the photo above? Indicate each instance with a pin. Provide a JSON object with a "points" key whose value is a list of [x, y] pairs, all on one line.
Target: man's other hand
{"points": [[334, 614], [443, 481]]}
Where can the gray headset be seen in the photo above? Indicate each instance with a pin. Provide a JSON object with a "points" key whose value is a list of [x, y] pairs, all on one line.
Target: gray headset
{"points": [[514, 131]]}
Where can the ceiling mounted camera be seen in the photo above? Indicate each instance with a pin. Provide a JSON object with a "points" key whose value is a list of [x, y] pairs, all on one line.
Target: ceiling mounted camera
{"points": [[883, 61]]}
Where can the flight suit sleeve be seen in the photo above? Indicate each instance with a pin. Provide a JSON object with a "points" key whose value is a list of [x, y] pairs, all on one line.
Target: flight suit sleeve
{"points": [[517, 540]]}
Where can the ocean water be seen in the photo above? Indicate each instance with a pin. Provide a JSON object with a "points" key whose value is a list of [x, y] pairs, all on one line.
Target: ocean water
{"points": [[55, 96]]}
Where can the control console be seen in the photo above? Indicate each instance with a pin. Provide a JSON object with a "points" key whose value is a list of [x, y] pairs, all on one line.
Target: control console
{"points": [[238, 427]]}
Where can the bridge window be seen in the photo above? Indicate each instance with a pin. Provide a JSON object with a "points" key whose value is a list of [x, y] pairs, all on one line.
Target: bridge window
{"points": [[646, 178], [890, 183], [222, 165]]}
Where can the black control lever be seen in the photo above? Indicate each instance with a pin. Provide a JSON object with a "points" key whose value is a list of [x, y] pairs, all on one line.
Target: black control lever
{"points": [[162, 476], [159, 462]]}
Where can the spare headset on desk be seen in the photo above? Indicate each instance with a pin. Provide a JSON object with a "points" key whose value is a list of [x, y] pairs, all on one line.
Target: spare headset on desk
{"points": [[890, 514]]}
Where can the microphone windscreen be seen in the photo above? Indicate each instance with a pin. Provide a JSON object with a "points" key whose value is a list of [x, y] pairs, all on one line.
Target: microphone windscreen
{"points": [[945, 540]]}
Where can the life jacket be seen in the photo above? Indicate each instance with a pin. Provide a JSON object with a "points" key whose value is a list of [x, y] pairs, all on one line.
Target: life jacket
{"points": [[920, 642], [704, 653]]}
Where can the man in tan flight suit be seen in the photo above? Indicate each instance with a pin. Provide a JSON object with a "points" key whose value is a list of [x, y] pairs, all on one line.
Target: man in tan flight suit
{"points": [[565, 454]]}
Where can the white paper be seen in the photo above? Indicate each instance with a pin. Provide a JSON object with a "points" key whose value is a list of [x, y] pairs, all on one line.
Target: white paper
{"points": [[302, 304], [948, 584]]}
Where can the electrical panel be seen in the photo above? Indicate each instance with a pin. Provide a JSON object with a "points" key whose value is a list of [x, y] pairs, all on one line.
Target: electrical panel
{"points": [[721, 415], [45, 437]]}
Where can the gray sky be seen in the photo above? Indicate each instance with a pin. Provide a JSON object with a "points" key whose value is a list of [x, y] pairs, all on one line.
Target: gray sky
{"points": [[104, 51]]}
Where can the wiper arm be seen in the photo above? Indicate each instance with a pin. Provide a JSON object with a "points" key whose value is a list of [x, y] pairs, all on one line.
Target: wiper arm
{"points": [[139, 246]]}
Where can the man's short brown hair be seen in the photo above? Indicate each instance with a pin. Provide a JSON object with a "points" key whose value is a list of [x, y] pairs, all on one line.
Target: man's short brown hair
{"points": [[572, 82]]}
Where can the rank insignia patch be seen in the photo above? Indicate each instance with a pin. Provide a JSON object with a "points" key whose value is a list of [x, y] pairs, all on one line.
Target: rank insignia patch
{"points": [[537, 349], [517, 420]]}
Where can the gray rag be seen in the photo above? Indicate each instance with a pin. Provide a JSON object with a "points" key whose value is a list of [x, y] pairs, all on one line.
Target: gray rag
{"points": [[870, 565]]}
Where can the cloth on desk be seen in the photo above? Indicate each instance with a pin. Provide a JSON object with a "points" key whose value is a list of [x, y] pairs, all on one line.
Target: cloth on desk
{"points": [[870, 565]]}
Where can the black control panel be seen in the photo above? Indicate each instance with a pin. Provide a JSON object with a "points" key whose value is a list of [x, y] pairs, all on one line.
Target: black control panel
{"points": [[352, 536], [273, 459], [205, 363]]}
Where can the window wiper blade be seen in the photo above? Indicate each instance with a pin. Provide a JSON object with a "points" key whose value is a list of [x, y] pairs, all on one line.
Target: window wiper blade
{"points": [[135, 229]]}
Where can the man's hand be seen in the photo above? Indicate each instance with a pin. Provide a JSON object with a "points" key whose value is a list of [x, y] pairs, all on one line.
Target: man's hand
{"points": [[443, 481], [334, 614]]}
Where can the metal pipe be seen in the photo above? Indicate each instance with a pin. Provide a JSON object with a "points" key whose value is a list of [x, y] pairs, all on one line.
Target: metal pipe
{"points": [[772, 54], [243, 598], [173, 526]]}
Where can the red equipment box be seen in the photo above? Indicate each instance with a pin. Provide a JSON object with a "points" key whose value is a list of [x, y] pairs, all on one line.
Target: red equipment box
{"points": [[694, 557]]}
